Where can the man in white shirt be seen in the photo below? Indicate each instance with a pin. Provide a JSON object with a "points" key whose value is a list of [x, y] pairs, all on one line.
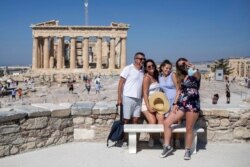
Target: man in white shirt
{"points": [[130, 89]]}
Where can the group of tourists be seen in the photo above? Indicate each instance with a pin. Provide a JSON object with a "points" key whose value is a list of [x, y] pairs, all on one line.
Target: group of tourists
{"points": [[142, 79], [87, 81]]}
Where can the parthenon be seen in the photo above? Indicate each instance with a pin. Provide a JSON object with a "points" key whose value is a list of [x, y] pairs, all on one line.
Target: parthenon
{"points": [[81, 48]]}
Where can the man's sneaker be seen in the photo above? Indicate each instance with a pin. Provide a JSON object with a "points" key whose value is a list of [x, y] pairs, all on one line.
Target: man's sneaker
{"points": [[166, 151], [151, 142], [187, 155]]}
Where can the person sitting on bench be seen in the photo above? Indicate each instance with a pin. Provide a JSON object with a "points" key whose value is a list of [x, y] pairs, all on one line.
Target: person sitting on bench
{"points": [[188, 105]]}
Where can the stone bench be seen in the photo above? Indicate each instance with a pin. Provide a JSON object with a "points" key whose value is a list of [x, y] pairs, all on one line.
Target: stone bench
{"points": [[132, 129]]}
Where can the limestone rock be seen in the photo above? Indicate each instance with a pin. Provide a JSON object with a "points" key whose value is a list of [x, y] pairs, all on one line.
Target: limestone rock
{"points": [[241, 133]]}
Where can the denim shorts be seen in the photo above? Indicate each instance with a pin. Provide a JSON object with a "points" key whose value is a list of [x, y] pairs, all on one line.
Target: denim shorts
{"points": [[131, 107]]}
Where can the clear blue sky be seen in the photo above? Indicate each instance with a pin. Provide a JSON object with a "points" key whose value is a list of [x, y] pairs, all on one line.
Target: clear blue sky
{"points": [[163, 29]]}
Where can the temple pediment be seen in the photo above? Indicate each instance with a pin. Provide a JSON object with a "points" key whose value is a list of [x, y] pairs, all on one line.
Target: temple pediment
{"points": [[47, 23]]}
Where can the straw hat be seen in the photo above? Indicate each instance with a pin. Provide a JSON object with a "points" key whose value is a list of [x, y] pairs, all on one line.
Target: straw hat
{"points": [[159, 102]]}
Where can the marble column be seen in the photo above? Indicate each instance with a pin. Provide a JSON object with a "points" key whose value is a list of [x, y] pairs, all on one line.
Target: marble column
{"points": [[63, 53], [123, 52], [46, 52], [85, 53], [51, 53], [245, 68], [40, 53], [99, 53], [73, 53], [112, 54], [34, 53], [59, 53]]}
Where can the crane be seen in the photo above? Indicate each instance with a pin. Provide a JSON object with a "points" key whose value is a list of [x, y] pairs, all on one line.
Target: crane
{"points": [[86, 12]]}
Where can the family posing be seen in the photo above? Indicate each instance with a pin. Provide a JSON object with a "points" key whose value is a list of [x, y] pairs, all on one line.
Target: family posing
{"points": [[142, 80]]}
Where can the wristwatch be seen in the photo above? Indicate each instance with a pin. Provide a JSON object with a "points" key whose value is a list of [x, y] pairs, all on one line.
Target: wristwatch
{"points": [[174, 104]]}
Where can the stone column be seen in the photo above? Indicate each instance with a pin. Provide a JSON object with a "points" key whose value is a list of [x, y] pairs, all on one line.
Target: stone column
{"points": [[245, 68], [51, 53], [63, 53], [59, 53], [123, 53], [46, 52], [39, 53], [34, 53], [112, 54], [73, 53], [99, 53], [85, 53]]}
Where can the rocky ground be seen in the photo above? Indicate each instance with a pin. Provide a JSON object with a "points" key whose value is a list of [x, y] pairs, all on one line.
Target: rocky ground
{"points": [[55, 92]]}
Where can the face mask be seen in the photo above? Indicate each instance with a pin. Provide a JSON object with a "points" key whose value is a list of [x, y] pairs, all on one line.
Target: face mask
{"points": [[191, 71]]}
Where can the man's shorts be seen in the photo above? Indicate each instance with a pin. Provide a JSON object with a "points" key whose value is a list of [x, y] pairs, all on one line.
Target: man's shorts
{"points": [[131, 107]]}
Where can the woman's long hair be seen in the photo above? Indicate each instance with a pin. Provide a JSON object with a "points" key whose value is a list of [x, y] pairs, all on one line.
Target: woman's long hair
{"points": [[156, 73], [181, 71]]}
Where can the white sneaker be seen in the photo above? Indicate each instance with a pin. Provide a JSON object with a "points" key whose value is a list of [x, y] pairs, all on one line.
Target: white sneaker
{"points": [[151, 143]]}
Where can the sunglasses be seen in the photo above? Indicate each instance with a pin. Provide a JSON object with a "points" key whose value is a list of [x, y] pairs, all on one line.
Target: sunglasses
{"points": [[142, 59], [151, 66]]}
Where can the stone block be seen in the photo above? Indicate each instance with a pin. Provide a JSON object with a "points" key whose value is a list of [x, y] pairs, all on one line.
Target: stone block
{"points": [[6, 129], [4, 150], [104, 108], [224, 122], [241, 133], [8, 109], [214, 122], [223, 136], [33, 111], [35, 123], [83, 134], [82, 108], [11, 116], [56, 110], [68, 105], [78, 120]]}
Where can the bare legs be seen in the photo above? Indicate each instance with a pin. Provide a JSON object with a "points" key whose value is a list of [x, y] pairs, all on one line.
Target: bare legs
{"points": [[191, 118], [172, 118], [153, 118]]}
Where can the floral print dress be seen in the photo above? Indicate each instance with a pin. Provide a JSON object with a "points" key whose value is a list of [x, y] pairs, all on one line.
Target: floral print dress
{"points": [[189, 99]]}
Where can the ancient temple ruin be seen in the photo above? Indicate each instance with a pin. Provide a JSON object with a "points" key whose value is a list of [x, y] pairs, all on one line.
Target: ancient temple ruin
{"points": [[79, 48]]}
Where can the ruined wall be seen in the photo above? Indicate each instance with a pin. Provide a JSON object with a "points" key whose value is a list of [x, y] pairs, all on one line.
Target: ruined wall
{"points": [[32, 127]]}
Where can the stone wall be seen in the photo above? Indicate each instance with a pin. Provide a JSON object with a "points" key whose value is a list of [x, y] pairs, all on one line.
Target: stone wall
{"points": [[225, 126], [24, 128]]}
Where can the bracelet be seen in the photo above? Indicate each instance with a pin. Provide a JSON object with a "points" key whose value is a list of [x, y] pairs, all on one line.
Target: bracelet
{"points": [[174, 104]]}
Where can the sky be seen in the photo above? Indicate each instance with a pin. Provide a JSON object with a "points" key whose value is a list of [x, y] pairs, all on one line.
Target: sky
{"points": [[199, 30]]}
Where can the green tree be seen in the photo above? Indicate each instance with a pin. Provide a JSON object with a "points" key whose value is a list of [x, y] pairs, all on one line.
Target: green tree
{"points": [[222, 64]]}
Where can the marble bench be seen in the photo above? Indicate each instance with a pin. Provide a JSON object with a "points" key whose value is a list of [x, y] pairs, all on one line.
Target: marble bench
{"points": [[133, 129]]}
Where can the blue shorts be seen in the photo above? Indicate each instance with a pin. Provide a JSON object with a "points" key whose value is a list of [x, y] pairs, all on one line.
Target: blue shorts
{"points": [[131, 107]]}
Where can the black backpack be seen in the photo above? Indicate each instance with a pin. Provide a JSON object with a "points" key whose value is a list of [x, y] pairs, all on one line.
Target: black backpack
{"points": [[116, 133]]}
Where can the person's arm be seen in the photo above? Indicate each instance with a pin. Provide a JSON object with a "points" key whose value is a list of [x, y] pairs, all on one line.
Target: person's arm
{"points": [[120, 90], [145, 88]]}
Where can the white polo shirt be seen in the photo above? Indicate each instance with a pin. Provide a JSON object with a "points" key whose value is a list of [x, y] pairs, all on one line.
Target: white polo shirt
{"points": [[133, 83]]}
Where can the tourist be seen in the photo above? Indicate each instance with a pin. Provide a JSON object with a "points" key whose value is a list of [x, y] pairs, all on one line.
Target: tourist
{"points": [[150, 85], [215, 98], [71, 86], [168, 83], [88, 85], [13, 94], [188, 105], [97, 84], [20, 94], [228, 90], [130, 89]]}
